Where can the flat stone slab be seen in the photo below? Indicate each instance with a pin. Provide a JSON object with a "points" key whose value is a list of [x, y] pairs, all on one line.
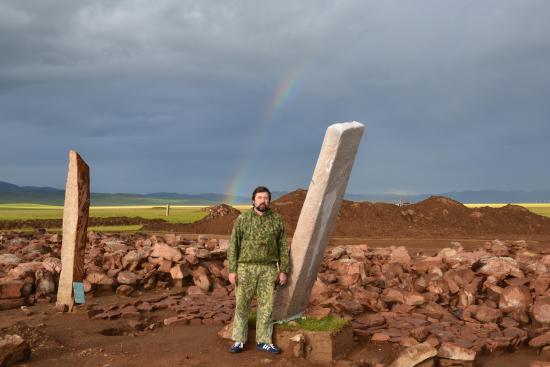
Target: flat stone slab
{"points": [[414, 355], [318, 346]]}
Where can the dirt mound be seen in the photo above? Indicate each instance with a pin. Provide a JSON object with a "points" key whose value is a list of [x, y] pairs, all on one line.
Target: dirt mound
{"points": [[220, 211], [436, 216], [290, 206], [219, 220]]}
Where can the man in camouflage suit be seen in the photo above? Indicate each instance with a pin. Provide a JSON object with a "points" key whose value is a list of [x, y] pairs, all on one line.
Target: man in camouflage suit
{"points": [[258, 259]]}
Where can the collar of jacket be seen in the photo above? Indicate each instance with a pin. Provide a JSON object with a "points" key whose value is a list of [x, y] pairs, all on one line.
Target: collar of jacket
{"points": [[267, 212]]}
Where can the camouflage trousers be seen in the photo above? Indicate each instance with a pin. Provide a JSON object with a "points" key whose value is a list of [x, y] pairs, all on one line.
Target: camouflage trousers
{"points": [[253, 279]]}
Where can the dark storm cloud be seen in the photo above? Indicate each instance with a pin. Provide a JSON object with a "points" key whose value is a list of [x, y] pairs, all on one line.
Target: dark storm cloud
{"points": [[173, 96]]}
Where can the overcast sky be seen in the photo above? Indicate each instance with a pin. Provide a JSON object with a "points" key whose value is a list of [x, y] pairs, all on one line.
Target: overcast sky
{"points": [[176, 96]]}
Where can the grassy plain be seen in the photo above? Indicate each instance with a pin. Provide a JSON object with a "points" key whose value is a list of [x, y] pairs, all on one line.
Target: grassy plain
{"points": [[178, 213]]}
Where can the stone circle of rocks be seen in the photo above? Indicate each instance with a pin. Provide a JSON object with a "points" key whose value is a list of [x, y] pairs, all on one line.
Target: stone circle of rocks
{"points": [[126, 264], [461, 302]]}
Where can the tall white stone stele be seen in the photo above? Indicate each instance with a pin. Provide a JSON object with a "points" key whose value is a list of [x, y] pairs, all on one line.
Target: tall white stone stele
{"points": [[75, 224], [318, 217]]}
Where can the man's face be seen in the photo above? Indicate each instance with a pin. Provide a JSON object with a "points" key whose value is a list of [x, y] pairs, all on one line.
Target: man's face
{"points": [[261, 201]]}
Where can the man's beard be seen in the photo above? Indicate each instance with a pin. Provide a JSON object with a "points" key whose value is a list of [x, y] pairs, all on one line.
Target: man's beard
{"points": [[262, 208]]}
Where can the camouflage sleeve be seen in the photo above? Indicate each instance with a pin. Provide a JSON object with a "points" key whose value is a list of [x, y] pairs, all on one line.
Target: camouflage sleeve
{"points": [[234, 246], [283, 249]]}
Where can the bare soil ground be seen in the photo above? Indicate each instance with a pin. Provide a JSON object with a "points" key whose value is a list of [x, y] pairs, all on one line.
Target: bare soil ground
{"points": [[73, 339]]}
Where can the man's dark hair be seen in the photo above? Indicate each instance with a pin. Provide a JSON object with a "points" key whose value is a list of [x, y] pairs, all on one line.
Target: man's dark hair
{"points": [[261, 189]]}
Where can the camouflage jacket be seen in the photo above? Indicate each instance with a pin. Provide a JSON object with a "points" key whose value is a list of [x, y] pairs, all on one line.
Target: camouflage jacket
{"points": [[258, 239]]}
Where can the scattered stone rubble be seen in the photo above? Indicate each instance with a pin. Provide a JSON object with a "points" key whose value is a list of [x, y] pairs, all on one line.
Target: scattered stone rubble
{"points": [[459, 302], [30, 265], [194, 309]]}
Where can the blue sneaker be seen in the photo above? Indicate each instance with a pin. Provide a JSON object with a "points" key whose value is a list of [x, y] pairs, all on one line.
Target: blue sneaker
{"points": [[237, 347], [268, 348]]}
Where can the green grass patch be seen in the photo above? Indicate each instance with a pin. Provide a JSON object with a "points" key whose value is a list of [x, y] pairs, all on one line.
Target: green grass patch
{"points": [[329, 323], [128, 228], [24, 230], [180, 214]]}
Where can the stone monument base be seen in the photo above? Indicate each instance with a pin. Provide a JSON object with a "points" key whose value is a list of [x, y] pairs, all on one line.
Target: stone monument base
{"points": [[315, 346]]}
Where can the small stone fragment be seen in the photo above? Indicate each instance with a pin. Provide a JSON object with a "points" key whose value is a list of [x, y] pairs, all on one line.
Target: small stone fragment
{"points": [[13, 349]]}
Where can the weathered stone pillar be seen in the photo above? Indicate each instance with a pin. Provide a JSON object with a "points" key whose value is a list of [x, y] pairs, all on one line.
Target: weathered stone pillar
{"points": [[318, 217], [75, 225]]}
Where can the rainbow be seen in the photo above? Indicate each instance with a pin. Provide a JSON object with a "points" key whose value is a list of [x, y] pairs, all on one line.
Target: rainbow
{"points": [[279, 97], [236, 182], [282, 93]]}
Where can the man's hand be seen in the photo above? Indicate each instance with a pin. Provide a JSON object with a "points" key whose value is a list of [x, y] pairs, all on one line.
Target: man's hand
{"points": [[282, 279], [233, 278]]}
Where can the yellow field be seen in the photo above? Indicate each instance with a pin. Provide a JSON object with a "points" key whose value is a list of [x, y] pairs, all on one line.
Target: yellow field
{"points": [[178, 213], [538, 208]]}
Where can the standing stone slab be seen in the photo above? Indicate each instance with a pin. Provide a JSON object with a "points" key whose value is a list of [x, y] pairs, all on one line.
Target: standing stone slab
{"points": [[318, 217], [75, 225]]}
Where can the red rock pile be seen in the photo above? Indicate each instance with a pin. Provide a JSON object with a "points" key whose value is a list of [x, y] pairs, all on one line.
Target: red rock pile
{"points": [[464, 302], [30, 265]]}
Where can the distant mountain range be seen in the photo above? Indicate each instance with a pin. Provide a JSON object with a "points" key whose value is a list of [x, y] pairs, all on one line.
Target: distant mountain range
{"points": [[468, 197], [10, 193]]}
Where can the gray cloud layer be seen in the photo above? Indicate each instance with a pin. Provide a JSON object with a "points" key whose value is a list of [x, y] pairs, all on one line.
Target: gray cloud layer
{"points": [[173, 95]]}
